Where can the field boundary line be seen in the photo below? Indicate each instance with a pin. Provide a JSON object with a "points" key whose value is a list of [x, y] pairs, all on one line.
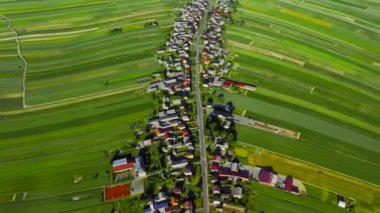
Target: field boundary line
{"points": [[313, 164], [23, 90], [75, 100]]}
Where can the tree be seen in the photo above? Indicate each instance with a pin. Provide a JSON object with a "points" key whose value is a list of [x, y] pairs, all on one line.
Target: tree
{"points": [[154, 159]]}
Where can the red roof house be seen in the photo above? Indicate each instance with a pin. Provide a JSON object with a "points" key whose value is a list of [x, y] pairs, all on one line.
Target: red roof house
{"points": [[215, 167], [288, 183], [122, 165]]}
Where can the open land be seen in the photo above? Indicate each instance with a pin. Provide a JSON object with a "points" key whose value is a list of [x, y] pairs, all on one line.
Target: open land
{"points": [[335, 110], [83, 97], [70, 50], [314, 65]]}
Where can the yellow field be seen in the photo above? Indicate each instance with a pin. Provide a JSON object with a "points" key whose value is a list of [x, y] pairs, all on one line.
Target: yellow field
{"points": [[243, 153], [307, 18], [349, 187]]}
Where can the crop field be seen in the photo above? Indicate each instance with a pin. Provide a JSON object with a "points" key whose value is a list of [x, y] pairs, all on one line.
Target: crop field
{"points": [[324, 185], [315, 64], [42, 151], [83, 96], [71, 50], [266, 199]]}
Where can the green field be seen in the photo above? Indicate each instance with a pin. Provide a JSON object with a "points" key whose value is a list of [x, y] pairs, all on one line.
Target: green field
{"points": [[83, 96], [267, 199], [42, 151], [316, 73], [70, 50]]}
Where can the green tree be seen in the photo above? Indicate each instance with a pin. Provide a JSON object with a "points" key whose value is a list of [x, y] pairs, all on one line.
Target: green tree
{"points": [[154, 159]]}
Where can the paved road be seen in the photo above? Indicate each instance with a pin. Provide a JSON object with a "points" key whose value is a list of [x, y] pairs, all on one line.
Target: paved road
{"points": [[200, 115]]}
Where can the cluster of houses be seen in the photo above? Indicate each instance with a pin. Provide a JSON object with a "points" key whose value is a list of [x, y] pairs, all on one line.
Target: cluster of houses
{"points": [[214, 56], [170, 126], [175, 57], [225, 176], [266, 176], [169, 203]]}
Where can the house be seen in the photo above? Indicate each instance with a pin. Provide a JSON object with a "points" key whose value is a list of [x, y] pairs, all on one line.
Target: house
{"points": [[225, 172], [214, 178], [237, 192], [149, 209], [226, 192], [160, 197], [172, 209], [227, 124], [161, 205], [267, 177], [188, 171], [289, 183], [221, 143], [216, 189], [189, 154], [340, 201], [173, 201], [177, 162], [140, 167], [166, 112], [177, 190], [154, 122], [235, 167], [216, 158], [216, 199], [189, 204], [122, 165], [215, 167]]}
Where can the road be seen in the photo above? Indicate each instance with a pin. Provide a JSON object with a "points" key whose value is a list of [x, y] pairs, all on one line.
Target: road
{"points": [[200, 115]]}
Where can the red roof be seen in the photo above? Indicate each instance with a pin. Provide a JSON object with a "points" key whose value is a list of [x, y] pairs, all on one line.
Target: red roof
{"points": [[215, 167], [188, 204], [116, 192], [239, 84], [184, 132], [289, 183], [123, 167], [265, 177], [216, 158], [226, 172], [228, 82]]}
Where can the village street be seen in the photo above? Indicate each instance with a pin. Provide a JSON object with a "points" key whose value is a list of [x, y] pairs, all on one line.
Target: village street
{"points": [[200, 115]]}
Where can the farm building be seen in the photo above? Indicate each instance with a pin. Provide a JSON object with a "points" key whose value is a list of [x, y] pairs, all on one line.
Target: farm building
{"points": [[122, 165], [267, 177]]}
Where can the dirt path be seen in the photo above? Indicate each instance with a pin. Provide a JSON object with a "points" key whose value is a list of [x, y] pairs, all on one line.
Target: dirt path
{"points": [[22, 58]]}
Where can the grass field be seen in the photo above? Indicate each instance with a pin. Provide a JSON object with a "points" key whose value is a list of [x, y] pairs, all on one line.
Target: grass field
{"points": [[268, 199], [70, 50], [82, 93], [10, 69], [314, 63], [42, 151]]}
